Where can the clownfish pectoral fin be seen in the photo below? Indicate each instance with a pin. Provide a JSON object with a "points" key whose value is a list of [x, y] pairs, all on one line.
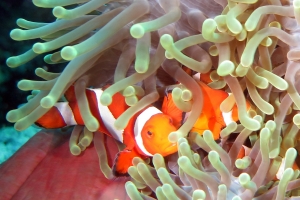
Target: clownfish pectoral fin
{"points": [[215, 127], [216, 131], [123, 161]]}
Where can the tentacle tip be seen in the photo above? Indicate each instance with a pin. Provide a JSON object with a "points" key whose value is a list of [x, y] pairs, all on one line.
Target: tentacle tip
{"points": [[12, 62], [59, 12], [38, 48], [20, 125], [129, 185], [213, 157], [208, 136], [141, 69], [75, 150], [166, 41], [20, 21], [105, 99], [47, 102], [17, 34], [249, 27], [174, 137], [137, 31], [225, 68], [12, 116], [85, 141], [38, 3], [69, 53]]}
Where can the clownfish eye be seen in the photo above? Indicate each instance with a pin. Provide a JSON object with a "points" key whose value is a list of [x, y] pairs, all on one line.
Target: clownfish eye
{"points": [[171, 120], [149, 133]]}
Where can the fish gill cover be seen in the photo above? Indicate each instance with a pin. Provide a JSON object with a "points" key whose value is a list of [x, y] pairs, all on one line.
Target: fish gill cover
{"points": [[250, 48]]}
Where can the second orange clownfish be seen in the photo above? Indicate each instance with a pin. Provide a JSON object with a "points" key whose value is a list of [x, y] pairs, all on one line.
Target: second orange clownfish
{"points": [[211, 118]]}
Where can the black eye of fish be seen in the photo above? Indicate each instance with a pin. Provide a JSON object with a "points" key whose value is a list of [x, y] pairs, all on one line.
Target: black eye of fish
{"points": [[149, 133]]}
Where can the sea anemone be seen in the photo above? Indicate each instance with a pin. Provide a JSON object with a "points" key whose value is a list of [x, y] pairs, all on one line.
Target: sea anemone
{"points": [[249, 47]]}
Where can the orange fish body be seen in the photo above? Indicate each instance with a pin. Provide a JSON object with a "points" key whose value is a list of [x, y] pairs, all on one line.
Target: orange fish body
{"points": [[203, 77], [145, 135], [211, 117]]}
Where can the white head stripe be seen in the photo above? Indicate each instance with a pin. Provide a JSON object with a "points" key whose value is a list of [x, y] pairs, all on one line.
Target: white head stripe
{"points": [[139, 124], [227, 117], [107, 118], [66, 113]]}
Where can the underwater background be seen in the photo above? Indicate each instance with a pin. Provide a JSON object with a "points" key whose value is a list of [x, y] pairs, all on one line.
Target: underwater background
{"points": [[10, 96]]}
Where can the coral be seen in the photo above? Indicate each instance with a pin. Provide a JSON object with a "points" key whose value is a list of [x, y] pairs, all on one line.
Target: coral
{"points": [[249, 48]]}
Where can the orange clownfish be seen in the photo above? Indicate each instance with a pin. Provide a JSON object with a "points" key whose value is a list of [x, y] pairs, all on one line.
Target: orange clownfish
{"points": [[145, 135], [245, 151], [211, 118]]}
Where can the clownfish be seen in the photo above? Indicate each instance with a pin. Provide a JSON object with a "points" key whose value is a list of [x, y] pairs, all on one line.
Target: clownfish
{"points": [[145, 135], [211, 117], [245, 151], [203, 77]]}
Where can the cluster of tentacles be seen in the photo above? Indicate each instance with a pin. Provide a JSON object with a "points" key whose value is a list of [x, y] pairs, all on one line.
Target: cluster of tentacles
{"points": [[249, 47]]}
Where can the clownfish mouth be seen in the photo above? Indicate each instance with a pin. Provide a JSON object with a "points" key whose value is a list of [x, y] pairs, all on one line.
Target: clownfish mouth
{"points": [[171, 148]]}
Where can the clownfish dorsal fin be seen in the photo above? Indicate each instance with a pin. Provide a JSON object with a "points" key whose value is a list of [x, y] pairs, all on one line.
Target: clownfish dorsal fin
{"points": [[70, 94], [216, 97], [169, 108], [213, 98], [140, 121]]}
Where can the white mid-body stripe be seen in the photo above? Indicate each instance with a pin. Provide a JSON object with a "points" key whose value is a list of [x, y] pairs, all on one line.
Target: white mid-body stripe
{"points": [[108, 118], [66, 112], [227, 117], [139, 124]]}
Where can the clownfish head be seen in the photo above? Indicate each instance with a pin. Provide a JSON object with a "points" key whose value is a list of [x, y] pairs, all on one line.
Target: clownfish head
{"points": [[155, 135]]}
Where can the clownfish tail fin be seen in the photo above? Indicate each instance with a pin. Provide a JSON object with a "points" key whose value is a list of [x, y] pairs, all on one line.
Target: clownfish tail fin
{"points": [[58, 116]]}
